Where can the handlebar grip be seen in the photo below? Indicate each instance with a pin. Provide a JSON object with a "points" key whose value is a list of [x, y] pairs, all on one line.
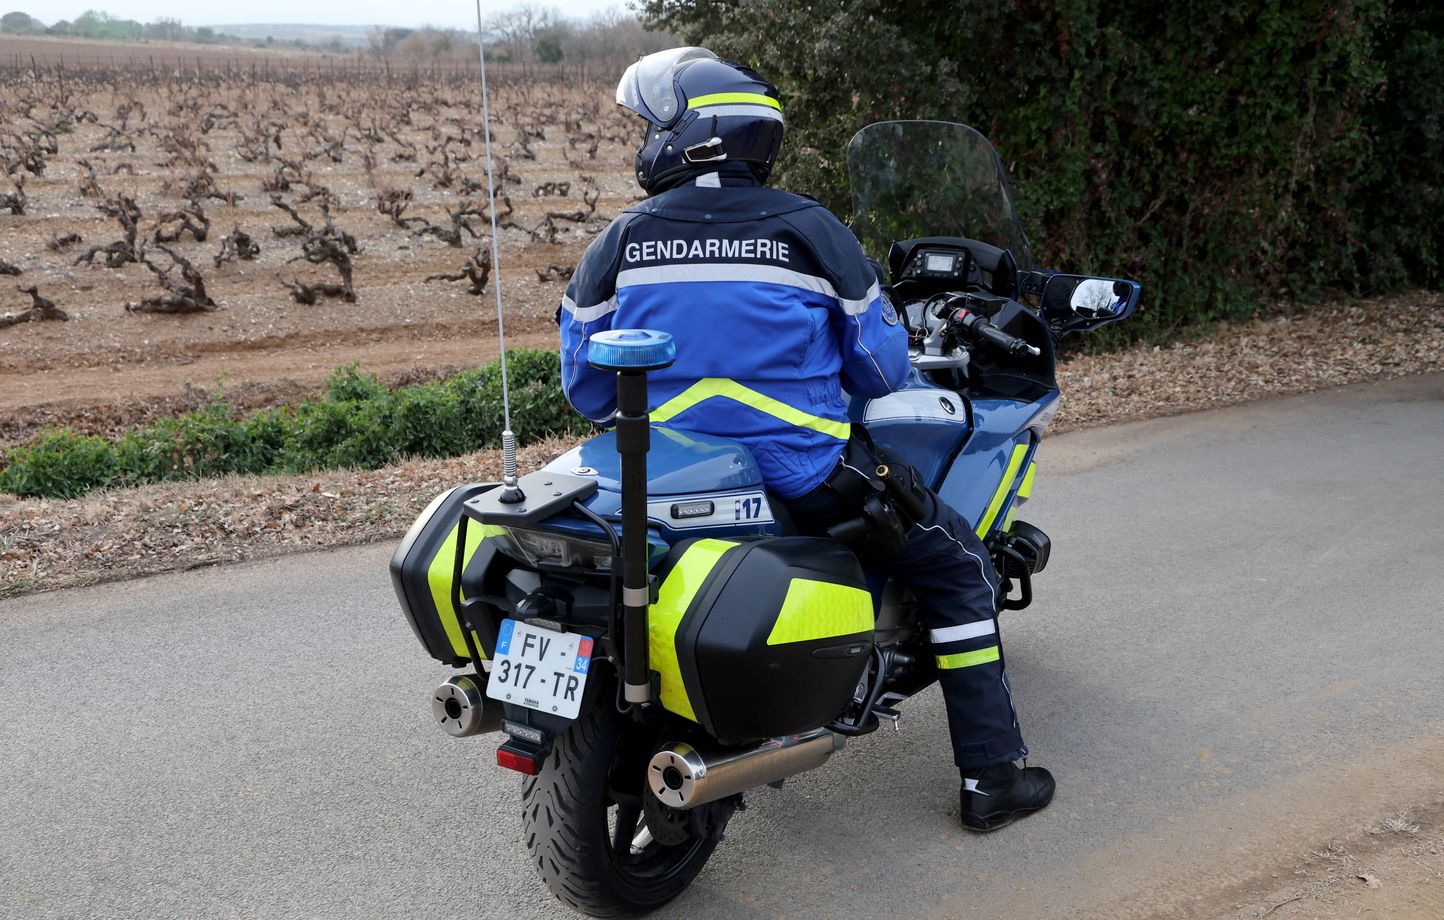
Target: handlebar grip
{"points": [[984, 331], [1011, 344]]}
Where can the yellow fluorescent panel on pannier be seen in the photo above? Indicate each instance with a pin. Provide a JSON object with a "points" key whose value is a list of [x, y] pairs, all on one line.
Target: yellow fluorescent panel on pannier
{"points": [[422, 571], [786, 621]]}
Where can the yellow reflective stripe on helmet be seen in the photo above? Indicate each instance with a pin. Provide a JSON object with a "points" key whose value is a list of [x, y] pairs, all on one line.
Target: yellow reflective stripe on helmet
{"points": [[665, 617], [734, 99], [712, 387], [1010, 475], [968, 659], [438, 578], [821, 610]]}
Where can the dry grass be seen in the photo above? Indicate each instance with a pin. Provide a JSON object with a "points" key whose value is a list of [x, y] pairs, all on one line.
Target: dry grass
{"points": [[1400, 824]]}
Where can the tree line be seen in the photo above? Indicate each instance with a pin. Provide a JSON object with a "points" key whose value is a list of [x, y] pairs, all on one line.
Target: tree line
{"points": [[1226, 153], [528, 33], [102, 26]]}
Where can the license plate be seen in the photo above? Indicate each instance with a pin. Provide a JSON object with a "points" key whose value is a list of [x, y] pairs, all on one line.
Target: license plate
{"points": [[540, 669]]}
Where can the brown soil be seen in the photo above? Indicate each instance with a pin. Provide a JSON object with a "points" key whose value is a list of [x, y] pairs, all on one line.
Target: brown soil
{"points": [[1392, 871], [107, 399], [107, 364]]}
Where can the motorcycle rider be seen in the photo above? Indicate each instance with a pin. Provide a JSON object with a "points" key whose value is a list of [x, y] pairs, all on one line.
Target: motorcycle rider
{"points": [[775, 313]]}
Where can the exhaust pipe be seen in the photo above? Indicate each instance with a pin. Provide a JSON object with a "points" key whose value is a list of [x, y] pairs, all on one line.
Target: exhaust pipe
{"points": [[683, 777], [458, 708]]}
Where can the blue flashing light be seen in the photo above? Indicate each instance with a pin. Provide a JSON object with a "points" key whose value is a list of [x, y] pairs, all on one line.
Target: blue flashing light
{"points": [[631, 350]]}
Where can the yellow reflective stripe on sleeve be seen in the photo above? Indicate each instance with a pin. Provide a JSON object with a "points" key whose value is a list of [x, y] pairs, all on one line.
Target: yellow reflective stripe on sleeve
{"points": [[821, 610], [438, 578], [713, 387], [1009, 476], [665, 617], [734, 99], [968, 659], [1025, 491]]}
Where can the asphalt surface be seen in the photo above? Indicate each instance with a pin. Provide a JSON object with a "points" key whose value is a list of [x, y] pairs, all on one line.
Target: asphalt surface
{"points": [[1234, 652]]}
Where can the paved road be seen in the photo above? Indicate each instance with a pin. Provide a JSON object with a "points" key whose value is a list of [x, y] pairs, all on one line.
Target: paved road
{"points": [[1235, 653]]}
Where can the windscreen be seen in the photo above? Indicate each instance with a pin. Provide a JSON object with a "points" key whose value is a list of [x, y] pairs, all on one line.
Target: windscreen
{"points": [[913, 179]]}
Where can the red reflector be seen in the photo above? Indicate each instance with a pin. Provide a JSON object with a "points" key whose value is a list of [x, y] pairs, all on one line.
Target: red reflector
{"points": [[521, 763]]}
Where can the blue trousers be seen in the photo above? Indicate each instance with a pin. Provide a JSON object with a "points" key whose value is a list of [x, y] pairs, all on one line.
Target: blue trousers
{"points": [[956, 587]]}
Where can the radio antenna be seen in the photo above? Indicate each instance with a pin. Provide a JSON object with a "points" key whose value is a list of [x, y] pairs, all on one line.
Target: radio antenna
{"points": [[511, 491]]}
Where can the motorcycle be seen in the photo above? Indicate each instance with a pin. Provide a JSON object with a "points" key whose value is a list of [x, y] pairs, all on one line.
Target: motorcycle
{"points": [[638, 619]]}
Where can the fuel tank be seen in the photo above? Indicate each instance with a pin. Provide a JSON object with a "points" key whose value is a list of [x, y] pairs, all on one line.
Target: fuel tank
{"points": [[921, 423]]}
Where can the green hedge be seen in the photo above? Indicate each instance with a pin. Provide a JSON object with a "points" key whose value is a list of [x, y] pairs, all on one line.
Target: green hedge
{"points": [[1223, 153], [358, 422]]}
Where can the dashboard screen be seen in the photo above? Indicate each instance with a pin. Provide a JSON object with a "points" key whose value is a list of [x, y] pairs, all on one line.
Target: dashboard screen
{"points": [[939, 262]]}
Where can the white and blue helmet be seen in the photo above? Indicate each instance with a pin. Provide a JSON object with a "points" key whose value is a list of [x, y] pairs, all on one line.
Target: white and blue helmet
{"points": [[700, 111]]}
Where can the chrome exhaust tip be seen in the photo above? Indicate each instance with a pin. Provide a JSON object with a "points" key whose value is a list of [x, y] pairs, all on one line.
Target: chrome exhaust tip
{"points": [[458, 708], [674, 774], [683, 777]]}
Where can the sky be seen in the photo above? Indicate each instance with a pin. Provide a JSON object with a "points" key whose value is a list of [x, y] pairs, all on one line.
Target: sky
{"points": [[458, 14]]}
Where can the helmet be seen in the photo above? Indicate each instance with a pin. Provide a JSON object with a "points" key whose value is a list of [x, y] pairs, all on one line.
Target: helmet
{"points": [[700, 110]]}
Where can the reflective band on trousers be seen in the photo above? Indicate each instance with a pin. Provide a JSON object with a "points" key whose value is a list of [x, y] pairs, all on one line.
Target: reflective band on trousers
{"points": [[962, 631], [968, 659], [733, 99], [712, 387]]}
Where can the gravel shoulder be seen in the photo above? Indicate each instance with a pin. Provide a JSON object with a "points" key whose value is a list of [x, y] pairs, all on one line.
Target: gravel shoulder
{"points": [[50, 544], [1392, 870]]}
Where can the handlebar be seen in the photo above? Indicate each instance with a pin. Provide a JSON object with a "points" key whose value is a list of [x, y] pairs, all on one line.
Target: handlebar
{"points": [[981, 331]]}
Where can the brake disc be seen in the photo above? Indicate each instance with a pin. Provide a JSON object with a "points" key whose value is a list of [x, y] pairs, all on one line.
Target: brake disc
{"points": [[669, 826]]}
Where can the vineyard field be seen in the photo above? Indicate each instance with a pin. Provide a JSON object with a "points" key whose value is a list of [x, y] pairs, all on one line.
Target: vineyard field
{"points": [[264, 218]]}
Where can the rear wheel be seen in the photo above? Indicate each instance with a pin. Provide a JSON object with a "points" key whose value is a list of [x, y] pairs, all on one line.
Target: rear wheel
{"points": [[585, 820]]}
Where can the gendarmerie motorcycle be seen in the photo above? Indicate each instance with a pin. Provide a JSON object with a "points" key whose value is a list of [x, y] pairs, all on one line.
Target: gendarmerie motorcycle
{"points": [[638, 621]]}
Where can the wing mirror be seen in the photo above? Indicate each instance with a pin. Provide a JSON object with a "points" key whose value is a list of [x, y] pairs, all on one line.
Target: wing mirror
{"points": [[1078, 303]]}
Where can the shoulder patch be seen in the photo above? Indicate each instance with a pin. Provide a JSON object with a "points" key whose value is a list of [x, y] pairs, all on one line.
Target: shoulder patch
{"points": [[889, 312]]}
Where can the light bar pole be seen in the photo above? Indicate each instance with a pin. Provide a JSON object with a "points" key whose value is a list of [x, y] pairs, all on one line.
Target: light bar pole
{"points": [[632, 354]]}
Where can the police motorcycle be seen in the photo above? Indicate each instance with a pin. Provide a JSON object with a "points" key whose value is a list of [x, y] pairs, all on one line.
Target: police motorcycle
{"points": [[637, 622]]}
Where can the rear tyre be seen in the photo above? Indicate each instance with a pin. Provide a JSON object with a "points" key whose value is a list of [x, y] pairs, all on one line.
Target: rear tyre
{"points": [[585, 828]]}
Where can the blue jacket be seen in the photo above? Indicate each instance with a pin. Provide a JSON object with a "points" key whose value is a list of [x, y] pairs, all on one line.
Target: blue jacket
{"points": [[774, 310]]}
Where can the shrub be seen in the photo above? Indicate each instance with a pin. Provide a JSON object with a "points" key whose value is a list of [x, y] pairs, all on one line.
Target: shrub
{"points": [[1220, 152], [61, 464], [357, 422]]}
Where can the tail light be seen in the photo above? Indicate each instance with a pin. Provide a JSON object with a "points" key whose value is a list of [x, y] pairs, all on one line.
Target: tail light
{"points": [[523, 760]]}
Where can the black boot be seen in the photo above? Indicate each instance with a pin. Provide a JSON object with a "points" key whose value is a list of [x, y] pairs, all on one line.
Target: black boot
{"points": [[996, 796]]}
